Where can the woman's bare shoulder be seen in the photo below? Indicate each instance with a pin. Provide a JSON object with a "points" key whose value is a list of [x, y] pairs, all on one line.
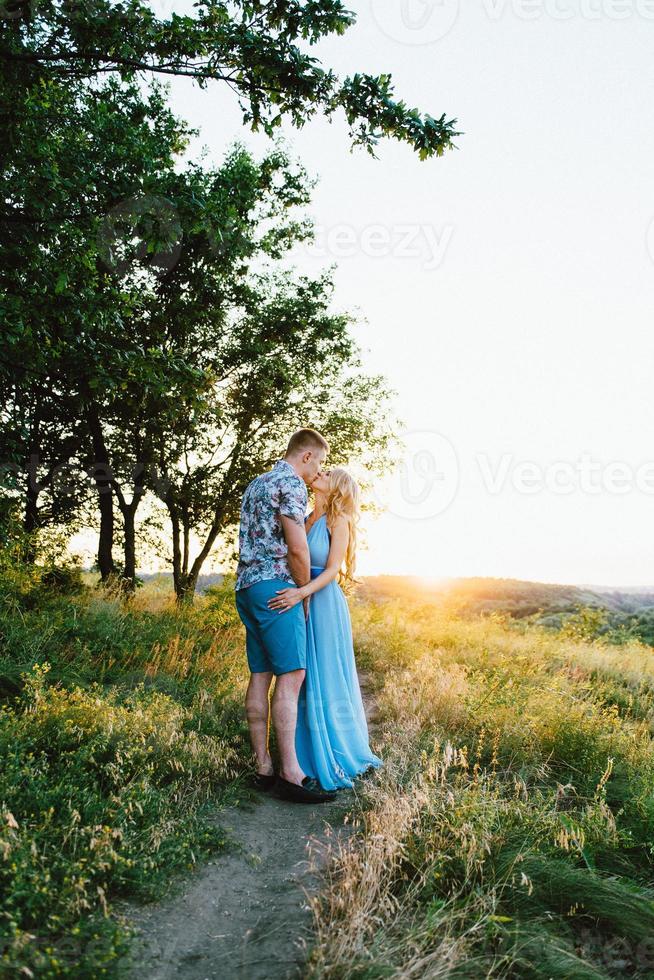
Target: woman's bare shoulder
{"points": [[339, 522]]}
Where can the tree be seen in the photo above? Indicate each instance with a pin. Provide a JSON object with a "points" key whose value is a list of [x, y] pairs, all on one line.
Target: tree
{"points": [[110, 324], [78, 157], [221, 359], [290, 362], [259, 49], [175, 339]]}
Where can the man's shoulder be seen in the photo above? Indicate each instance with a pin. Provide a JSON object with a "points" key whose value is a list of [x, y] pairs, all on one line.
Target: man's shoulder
{"points": [[275, 479], [293, 480], [286, 477], [260, 480]]}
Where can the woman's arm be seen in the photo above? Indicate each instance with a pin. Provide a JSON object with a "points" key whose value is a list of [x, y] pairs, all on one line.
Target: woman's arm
{"points": [[286, 598]]}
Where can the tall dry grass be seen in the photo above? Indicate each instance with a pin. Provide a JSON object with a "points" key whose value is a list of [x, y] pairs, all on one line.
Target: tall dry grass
{"points": [[510, 832]]}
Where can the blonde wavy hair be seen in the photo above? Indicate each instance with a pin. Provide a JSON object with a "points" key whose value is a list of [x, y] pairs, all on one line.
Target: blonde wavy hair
{"points": [[343, 497]]}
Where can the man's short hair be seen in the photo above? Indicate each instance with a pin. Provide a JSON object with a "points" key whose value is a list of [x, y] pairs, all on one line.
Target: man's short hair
{"points": [[305, 439]]}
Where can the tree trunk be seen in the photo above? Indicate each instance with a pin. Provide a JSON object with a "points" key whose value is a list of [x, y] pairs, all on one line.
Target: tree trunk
{"points": [[183, 581], [32, 492], [130, 548], [185, 590], [186, 545], [187, 582], [177, 556], [102, 475], [31, 521], [129, 521]]}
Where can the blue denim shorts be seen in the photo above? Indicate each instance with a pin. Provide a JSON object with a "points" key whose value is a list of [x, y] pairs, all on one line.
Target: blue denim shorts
{"points": [[275, 641]]}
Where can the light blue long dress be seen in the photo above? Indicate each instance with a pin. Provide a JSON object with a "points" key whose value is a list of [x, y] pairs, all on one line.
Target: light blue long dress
{"points": [[331, 737]]}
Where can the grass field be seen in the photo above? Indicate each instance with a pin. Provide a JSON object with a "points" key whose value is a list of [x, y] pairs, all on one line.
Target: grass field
{"points": [[510, 832], [120, 731]]}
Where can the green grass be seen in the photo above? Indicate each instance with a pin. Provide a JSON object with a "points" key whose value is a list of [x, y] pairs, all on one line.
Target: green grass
{"points": [[121, 731], [511, 831]]}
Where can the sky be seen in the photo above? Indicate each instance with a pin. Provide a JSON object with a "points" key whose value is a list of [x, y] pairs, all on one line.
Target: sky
{"points": [[507, 287]]}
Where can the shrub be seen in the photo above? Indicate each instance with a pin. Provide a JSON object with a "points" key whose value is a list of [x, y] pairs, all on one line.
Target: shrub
{"points": [[121, 732]]}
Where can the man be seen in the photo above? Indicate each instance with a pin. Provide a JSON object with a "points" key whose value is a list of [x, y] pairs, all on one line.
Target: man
{"points": [[273, 554]]}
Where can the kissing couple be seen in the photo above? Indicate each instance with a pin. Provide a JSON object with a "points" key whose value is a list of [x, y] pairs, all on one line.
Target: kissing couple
{"points": [[289, 596]]}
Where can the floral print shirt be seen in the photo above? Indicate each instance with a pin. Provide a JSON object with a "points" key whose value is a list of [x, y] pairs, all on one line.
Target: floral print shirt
{"points": [[262, 546]]}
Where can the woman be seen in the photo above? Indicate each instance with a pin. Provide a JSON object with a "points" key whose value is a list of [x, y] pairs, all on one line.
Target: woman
{"points": [[331, 738]]}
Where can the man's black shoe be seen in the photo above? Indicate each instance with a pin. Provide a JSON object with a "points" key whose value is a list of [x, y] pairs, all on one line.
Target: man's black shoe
{"points": [[309, 792], [263, 782]]}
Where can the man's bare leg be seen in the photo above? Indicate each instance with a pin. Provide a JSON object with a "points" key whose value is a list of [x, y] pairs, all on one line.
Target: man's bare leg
{"points": [[284, 714], [257, 710]]}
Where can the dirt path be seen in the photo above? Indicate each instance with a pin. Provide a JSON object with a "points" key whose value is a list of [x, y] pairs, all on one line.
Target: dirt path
{"points": [[244, 916]]}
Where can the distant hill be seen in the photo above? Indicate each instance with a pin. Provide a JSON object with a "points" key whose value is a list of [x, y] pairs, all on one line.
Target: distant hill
{"points": [[627, 612], [526, 598], [515, 595]]}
